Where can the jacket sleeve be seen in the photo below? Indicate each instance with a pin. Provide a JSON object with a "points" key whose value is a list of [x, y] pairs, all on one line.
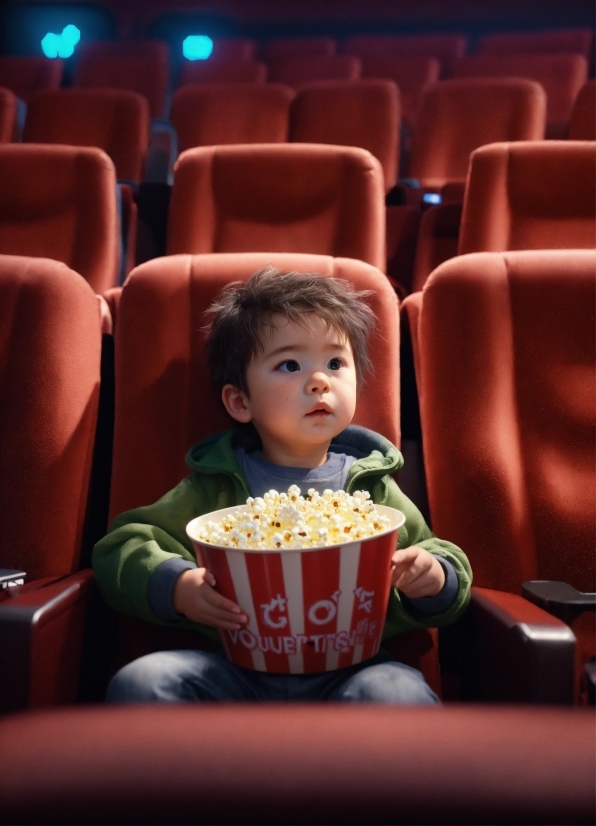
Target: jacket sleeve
{"points": [[416, 532], [138, 542]]}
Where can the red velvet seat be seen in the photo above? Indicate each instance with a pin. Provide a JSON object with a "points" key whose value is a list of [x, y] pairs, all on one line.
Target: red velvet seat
{"points": [[446, 48], [326, 200], [26, 75], [140, 66], [309, 764], [8, 115], [60, 202], [298, 47], [361, 113], [578, 40], [295, 71], [114, 120], [227, 113], [504, 345], [411, 74], [532, 195], [582, 126], [561, 76], [223, 71], [50, 351], [457, 116]]}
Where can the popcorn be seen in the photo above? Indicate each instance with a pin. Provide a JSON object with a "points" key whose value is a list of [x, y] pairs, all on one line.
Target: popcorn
{"points": [[291, 521]]}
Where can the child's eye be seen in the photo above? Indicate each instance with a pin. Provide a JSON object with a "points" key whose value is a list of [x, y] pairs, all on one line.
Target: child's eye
{"points": [[335, 364], [289, 366]]}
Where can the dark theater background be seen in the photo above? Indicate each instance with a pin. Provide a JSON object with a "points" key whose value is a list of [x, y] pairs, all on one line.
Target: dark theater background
{"points": [[440, 154]]}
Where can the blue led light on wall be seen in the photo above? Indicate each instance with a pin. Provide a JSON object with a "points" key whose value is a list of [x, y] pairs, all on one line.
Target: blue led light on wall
{"points": [[197, 47], [61, 45]]}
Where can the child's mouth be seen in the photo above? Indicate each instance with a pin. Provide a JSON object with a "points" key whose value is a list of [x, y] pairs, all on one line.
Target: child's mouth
{"points": [[320, 412]]}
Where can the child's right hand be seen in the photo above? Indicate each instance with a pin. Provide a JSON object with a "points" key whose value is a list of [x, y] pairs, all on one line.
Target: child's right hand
{"points": [[195, 597]]}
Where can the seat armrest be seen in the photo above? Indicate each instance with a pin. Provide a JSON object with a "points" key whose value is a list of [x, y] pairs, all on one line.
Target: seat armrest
{"points": [[41, 636], [559, 598], [517, 652]]}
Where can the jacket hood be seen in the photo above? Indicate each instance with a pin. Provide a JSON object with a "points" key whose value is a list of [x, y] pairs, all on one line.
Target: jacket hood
{"points": [[215, 454]]}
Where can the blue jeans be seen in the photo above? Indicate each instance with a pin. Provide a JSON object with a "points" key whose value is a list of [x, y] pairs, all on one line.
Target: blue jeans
{"points": [[199, 676]]}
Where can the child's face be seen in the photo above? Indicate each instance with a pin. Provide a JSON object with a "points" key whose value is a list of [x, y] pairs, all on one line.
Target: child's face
{"points": [[302, 391]]}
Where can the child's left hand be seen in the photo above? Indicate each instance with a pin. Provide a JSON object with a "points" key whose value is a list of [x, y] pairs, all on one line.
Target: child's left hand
{"points": [[417, 573]]}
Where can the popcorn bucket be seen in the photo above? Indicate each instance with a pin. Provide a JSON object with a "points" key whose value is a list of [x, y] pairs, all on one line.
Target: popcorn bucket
{"points": [[309, 610]]}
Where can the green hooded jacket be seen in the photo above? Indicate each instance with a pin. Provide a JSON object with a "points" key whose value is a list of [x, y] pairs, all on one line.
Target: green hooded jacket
{"points": [[140, 540]]}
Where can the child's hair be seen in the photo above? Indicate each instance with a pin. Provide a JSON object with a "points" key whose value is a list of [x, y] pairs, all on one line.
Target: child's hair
{"points": [[243, 310]]}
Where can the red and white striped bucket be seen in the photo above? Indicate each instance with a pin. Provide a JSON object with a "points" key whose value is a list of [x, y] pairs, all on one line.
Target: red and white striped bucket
{"points": [[311, 610]]}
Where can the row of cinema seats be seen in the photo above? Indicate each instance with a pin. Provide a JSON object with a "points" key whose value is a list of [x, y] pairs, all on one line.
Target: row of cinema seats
{"points": [[504, 346], [60, 202]]}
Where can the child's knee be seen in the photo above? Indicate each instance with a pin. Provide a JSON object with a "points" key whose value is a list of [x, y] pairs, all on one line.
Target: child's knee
{"points": [[391, 683], [148, 679]]}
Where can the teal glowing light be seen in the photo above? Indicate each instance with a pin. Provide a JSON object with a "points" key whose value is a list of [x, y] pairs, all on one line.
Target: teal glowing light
{"points": [[61, 45], [197, 47]]}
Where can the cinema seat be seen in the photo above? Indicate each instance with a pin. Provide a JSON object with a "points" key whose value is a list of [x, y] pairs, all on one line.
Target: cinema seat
{"points": [[60, 202], [223, 71], [362, 113], [457, 116], [298, 47], [140, 66], [26, 75], [231, 48], [325, 200], [505, 349], [348, 764], [8, 115], [411, 74], [50, 352], [114, 120], [561, 76], [227, 113], [438, 239], [533, 195], [446, 48], [295, 71], [582, 126], [555, 41]]}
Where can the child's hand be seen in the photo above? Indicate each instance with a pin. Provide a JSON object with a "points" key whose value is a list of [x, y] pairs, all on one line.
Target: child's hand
{"points": [[195, 597], [417, 573]]}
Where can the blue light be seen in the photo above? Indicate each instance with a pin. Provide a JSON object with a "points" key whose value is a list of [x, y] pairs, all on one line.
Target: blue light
{"points": [[197, 47], [61, 45], [431, 198]]}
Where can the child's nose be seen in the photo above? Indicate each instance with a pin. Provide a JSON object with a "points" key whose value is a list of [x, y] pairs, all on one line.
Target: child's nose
{"points": [[318, 382]]}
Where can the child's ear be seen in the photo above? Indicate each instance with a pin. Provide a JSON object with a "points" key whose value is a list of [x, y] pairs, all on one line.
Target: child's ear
{"points": [[236, 403]]}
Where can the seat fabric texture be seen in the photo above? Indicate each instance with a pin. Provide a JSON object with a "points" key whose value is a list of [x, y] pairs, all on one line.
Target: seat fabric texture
{"points": [[582, 126], [8, 115], [298, 47], [532, 195], [231, 113], [26, 75], [411, 74], [295, 71], [446, 48], [457, 116], [59, 202], [578, 40], [363, 113], [325, 200], [50, 351], [115, 120], [223, 71]]}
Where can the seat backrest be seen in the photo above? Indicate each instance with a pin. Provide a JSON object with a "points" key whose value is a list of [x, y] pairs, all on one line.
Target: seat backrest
{"points": [[576, 40], [304, 69], [561, 76], [25, 75], [362, 113], [140, 66], [324, 200], [115, 120], [507, 385], [533, 195], [60, 202], [445, 47], [226, 113], [582, 126], [8, 115], [437, 240], [411, 74], [232, 48], [298, 47], [50, 351], [164, 397], [457, 116], [223, 71]]}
